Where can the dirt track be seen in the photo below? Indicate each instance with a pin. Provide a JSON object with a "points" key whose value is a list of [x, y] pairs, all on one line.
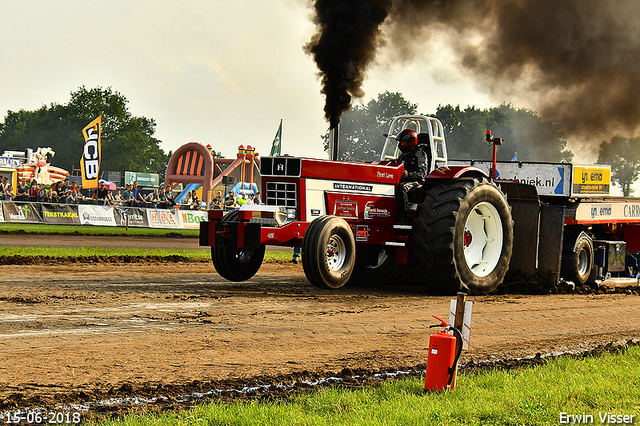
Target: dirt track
{"points": [[84, 332]]}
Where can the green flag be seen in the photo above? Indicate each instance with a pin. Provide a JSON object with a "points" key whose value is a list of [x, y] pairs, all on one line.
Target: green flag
{"points": [[277, 142]]}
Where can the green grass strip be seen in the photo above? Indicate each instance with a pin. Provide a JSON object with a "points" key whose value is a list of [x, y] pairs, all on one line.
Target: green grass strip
{"points": [[94, 230], [62, 252], [593, 386]]}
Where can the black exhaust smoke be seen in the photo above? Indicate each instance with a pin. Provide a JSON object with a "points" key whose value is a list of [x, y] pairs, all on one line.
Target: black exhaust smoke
{"points": [[575, 61], [343, 48]]}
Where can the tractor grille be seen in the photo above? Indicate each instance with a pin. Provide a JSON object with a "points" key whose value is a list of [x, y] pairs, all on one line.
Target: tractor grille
{"points": [[281, 194]]}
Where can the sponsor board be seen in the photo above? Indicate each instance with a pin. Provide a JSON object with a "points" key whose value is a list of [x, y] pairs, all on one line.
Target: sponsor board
{"points": [[143, 179], [96, 215], [608, 212], [1, 215], [60, 214], [159, 218], [130, 216], [21, 212], [548, 178], [191, 219], [591, 180]]}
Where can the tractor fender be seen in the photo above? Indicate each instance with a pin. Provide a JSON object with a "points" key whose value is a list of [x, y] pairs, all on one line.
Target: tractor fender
{"points": [[454, 172]]}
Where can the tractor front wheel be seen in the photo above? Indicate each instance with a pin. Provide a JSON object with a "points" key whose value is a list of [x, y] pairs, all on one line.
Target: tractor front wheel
{"points": [[328, 252], [236, 264]]}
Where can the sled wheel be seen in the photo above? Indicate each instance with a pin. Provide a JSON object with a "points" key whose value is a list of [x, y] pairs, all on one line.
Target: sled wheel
{"points": [[373, 266], [577, 260], [235, 264], [463, 237], [328, 252]]}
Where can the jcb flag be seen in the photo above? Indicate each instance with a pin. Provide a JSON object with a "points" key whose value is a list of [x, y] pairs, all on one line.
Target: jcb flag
{"points": [[91, 155]]}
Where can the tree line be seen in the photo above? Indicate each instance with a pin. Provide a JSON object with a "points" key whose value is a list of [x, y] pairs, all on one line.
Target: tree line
{"points": [[127, 141]]}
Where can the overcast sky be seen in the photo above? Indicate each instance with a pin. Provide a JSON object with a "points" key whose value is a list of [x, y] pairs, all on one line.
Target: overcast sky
{"points": [[218, 72]]}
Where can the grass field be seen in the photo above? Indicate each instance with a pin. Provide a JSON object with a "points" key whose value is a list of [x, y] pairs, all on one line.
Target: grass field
{"points": [[277, 256], [94, 230], [607, 385]]}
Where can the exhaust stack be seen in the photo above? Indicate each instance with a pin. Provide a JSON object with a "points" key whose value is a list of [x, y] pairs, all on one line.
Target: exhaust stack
{"points": [[334, 143]]}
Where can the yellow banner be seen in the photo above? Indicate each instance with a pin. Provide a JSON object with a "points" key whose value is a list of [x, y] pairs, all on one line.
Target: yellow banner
{"points": [[591, 180], [92, 153]]}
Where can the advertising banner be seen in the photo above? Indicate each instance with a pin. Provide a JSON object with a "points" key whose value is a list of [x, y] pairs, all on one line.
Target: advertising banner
{"points": [[551, 179], [1, 214], [591, 180], [96, 215], [191, 219], [21, 212], [60, 214], [91, 154], [159, 218], [143, 179], [133, 215]]}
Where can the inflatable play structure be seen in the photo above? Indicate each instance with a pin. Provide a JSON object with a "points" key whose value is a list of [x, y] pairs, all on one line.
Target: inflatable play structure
{"points": [[31, 165], [193, 165]]}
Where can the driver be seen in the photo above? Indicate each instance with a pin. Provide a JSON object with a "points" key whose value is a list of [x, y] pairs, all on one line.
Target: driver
{"points": [[414, 158]]}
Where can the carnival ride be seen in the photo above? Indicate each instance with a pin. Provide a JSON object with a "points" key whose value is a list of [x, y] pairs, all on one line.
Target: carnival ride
{"points": [[193, 164]]}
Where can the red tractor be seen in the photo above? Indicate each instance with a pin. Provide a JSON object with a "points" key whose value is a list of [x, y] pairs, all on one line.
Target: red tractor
{"points": [[343, 215]]}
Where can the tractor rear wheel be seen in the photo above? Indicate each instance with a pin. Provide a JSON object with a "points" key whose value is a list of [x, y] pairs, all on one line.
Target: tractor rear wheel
{"points": [[328, 252], [463, 237], [236, 264]]}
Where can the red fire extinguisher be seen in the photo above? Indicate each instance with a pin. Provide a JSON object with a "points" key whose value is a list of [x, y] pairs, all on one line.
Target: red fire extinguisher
{"points": [[443, 358]]}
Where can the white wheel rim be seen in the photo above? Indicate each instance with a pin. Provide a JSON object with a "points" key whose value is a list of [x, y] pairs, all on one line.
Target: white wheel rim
{"points": [[583, 262], [336, 253], [482, 239]]}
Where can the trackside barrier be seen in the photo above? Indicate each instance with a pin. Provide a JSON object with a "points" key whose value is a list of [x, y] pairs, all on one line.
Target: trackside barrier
{"points": [[96, 215]]}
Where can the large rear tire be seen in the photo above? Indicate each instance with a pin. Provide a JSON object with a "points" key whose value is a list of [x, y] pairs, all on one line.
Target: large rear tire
{"points": [[236, 264], [463, 237], [328, 252]]}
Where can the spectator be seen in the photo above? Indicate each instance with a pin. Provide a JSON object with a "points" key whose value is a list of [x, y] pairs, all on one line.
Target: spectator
{"points": [[127, 195], [33, 190], [117, 199], [296, 255], [63, 187], [195, 201], [72, 195], [250, 200], [22, 192], [152, 198], [8, 192], [230, 201], [137, 199], [52, 194], [3, 185], [216, 203], [169, 195], [42, 193], [162, 199], [101, 193], [257, 199], [242, 200], [109, 200]]}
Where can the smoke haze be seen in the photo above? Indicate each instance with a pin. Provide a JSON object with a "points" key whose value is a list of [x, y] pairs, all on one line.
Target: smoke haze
{"points": [[576, 62]]}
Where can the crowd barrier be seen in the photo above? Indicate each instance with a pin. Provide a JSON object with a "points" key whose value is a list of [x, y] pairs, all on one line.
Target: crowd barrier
{"points": [[88, 214]]}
